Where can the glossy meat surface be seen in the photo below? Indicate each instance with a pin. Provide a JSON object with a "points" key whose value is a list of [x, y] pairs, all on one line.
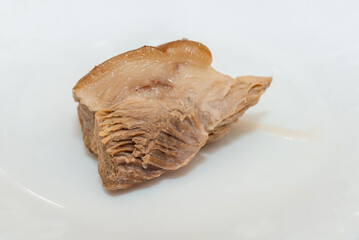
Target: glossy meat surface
{"points": [[150, 110]]}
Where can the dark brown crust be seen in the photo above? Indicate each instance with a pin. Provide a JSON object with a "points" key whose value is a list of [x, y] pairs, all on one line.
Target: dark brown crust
{"points": [[86, 118]]}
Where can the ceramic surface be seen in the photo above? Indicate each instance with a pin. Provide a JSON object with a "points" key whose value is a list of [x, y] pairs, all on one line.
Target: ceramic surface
{"points": [[288, 170]]}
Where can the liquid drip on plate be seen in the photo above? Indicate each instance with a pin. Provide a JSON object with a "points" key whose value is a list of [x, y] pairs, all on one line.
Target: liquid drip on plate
{"points": [[286, 133]]}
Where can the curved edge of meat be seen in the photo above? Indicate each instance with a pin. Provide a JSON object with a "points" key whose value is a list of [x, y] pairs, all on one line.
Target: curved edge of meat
{"points": [[186, 51]]}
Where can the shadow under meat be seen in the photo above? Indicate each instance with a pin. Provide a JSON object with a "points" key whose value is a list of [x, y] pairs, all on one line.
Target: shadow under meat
{"points": [[234, 134], [90, 154]]}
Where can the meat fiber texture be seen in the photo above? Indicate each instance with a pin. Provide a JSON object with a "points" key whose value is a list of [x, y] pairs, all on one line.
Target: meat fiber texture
{"points": [[149, 111]]}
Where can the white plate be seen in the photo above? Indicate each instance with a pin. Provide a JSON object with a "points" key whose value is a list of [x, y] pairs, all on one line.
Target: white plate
{"points": [[288, 170]]}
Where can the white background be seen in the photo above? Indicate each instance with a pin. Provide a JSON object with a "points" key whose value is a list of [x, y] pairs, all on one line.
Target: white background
{"points": [[288, 170]]}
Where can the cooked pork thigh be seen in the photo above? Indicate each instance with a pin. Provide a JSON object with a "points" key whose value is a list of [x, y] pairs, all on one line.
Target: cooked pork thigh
{"points": [[150, 110]]}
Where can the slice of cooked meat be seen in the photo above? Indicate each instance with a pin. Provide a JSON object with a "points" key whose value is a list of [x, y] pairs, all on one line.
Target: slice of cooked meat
{"points": [[150, 110]]}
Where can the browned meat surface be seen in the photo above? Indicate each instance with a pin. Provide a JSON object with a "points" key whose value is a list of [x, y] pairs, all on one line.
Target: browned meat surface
{"points": [[150, 110]]}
